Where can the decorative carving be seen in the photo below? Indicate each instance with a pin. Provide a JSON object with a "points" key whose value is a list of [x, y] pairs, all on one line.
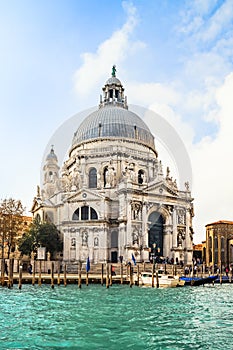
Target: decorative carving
{"points": [[110, 177], [135, 237], [73, 242], [181, 218], [84, 239], [180, 236], [136, 209]]}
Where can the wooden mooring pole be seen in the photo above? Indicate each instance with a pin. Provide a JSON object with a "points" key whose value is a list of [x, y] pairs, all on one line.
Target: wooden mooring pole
{"points": [[138, 274], [153, 276], [58, 273], [121, 271], [52, 275], [110, 279], [33, 273], [131, 276], [80, 275], [157, 279], [102, 274], [20, 275], [2, 272], [10, 274], [39, 279], [107, 276], [64, 279]]}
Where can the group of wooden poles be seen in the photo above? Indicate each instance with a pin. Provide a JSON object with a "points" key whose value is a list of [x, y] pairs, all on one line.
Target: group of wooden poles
{"points": [[106, 277]]}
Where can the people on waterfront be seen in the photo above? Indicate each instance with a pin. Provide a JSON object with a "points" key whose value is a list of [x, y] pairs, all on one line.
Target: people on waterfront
{"points": [[30, 269], [113, 273]]}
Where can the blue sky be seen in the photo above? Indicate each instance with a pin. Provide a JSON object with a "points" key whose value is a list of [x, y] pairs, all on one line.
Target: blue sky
{"points": [[173, 57]]}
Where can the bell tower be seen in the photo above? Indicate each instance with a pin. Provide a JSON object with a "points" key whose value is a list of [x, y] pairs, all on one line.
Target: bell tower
{"points": [[51, 174]]}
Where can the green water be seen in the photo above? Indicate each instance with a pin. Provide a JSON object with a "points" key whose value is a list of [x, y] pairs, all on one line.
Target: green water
{"points": [[116, 318]]}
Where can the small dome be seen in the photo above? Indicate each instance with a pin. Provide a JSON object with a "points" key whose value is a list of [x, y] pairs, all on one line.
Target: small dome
{"points": [[113, 80], [51, 155]]}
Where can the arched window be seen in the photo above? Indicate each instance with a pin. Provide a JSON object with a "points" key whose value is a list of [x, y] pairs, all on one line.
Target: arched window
{"points": [[141, 176], [92, 178], [76, 215], [94, 215], [38, 218], [86, 213], [105, 175]]}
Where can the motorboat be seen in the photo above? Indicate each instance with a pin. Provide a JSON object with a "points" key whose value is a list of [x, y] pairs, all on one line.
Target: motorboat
{"points": [[162, 280]]}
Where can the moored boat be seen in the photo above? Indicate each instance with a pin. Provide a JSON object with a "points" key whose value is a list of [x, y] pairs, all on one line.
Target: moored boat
{"points": [[163, 281], [198, 281]]}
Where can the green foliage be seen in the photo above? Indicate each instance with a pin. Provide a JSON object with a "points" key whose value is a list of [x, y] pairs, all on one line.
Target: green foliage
{"points": [[41, 234]]}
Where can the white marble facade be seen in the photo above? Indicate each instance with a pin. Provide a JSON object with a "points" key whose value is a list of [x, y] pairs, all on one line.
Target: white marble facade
{"points": [[111, 198]]}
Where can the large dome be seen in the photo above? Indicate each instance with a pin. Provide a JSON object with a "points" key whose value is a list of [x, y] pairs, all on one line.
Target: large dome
{"points": [[114, 121]]}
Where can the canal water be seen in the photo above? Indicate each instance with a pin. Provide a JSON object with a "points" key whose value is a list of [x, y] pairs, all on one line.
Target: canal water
{"points": [[120, 317]]}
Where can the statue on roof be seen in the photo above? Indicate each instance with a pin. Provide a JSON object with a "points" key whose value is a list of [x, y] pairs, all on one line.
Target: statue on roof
{"points": [[113, 70]]}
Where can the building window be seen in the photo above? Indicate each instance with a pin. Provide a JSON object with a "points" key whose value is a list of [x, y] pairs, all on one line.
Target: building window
{"points": [[114, 239], [76, 215], [141, 176], [93, 178], [38, 218], [93, 214], [86, 213]]}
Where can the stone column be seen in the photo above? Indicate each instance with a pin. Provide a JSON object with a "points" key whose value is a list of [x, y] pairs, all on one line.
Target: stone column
{"points": [[213, 248], [174, 235], [219, 262], [207, 259]]}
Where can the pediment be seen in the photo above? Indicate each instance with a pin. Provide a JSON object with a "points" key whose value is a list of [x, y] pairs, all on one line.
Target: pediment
{"points": [[37, 203], [163, 189], [84, 194]]}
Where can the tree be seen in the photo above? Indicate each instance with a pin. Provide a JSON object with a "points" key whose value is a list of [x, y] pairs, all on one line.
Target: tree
{"points": [[39, 234], [11, 221]]}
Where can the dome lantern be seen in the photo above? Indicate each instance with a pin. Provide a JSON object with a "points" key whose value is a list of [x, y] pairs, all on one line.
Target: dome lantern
{"points": [[113, 92]]}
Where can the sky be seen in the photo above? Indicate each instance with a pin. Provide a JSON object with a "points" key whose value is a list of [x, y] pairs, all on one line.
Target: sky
{"points": [[174, 58]]}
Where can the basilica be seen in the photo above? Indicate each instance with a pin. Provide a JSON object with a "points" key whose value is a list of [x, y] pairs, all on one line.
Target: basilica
{"points": [[111, 197]]}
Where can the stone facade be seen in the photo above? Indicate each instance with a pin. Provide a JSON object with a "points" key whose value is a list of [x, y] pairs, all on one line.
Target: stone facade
{"points": [[111, 197], [219, 243]]}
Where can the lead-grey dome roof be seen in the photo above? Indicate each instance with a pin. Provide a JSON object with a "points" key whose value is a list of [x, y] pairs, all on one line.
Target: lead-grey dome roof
{"points": [[113, 80], [113, 121]]}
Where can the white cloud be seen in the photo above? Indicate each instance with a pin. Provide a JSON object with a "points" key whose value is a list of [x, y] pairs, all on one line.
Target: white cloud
{"points": [[198, 91], [219, 20], [213, 166], [112, 51]]}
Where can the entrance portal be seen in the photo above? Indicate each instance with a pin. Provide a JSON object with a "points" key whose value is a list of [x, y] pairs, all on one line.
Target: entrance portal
{"points": [[156, 223]]}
